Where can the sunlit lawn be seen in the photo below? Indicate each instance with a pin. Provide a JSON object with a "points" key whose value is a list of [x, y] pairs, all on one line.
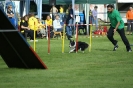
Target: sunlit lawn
{"points": [[100, 68]]}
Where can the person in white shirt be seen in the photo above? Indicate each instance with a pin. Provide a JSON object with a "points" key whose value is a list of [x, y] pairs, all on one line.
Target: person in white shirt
{"points": [[57, 24]]}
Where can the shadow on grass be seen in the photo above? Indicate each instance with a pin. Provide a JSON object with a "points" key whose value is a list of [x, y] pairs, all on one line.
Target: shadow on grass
{"points": [[103, 49]]}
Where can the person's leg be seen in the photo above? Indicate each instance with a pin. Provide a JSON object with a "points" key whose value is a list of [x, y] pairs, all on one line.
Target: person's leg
{"points": [[128, 27], [31, 33], [70, 22], [110, 34], [69, 33], [68, 30], [124, 38], [26, 32], [70, 26], [96, 23], [93, 22], [131, 26]]}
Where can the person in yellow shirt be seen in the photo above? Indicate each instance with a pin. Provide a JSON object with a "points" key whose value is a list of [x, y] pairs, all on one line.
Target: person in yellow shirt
{"points": [[49, 21], [61, 9], [33, 24], [41, 29]]}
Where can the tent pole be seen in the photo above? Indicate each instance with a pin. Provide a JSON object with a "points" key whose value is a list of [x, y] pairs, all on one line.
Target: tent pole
{"points": [[105, 12], [39, 9], [73, 5], [27, 5], [87, 17], [116, 5]]}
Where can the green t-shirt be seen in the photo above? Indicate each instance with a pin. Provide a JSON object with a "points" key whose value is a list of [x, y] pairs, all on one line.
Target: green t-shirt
{"points": [[115, 17]]}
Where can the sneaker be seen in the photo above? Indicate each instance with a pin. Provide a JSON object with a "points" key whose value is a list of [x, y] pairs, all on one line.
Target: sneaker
{"points": [[115, 47], [36, 40], [129, 50], [33, 40]]}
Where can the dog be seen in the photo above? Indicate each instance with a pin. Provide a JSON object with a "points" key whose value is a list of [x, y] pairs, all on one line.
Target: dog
{"points": [[80, 46]]}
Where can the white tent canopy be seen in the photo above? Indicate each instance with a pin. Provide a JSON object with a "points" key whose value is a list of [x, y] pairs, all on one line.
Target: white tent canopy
{"points": [[125, 1]]}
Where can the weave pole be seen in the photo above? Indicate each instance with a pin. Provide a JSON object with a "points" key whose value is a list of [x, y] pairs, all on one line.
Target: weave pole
{"points": [[63, 38], [48, 39], [90, 42], [34, 37], [76, 38]]}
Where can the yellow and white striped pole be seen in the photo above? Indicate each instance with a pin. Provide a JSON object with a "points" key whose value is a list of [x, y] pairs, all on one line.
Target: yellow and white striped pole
{"points": [[90, 42], [63, 39]]}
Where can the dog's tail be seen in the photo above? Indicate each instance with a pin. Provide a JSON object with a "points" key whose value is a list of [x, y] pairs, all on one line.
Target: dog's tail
{"points": [[86, 45]]}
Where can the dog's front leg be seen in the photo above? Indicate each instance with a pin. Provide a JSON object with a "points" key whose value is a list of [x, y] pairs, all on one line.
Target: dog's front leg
{"points": [[72, 50]]}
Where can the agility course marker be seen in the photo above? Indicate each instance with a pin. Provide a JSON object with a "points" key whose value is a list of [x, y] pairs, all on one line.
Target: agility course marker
{"points": [[48, 39], [90, 38], [76, 37], [34, 38], [63, 39]]}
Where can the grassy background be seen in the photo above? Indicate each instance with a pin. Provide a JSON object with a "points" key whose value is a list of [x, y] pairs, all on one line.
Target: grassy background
{"points": [[100, 68]]}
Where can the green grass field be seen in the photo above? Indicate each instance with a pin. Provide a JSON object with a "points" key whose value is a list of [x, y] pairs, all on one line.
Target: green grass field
{"points": [[100, 68]]}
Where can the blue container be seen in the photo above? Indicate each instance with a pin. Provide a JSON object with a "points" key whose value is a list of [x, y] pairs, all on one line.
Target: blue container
{"points": [[81, 17], [14, 22]]}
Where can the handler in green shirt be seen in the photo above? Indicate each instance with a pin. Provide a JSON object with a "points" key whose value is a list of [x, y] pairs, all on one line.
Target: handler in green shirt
{"points": [[117, 24]]}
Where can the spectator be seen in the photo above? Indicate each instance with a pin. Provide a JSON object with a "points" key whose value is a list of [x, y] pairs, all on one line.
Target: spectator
{"points": [[66, 14], [41, 29], [95, 19], [33, 25], [129, 16], [57, 25], [10, 14], [69, 22], [61, 9], [2, 6], [24, 29], [48, 21], [54, 11], [61, 13], [90, 17]]}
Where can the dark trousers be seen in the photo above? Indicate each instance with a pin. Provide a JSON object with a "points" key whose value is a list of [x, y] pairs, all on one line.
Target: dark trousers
{"points": [[130, 26], [30, 33], [121, 33]]}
